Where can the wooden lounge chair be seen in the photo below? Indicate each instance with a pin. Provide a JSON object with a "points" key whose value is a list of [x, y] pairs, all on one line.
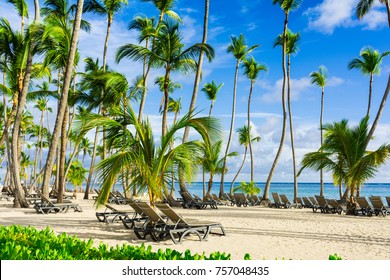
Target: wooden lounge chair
{"points": [[111, 214], [364, 207], [158, 227], [379, 206], [189, 225], [240, 199], [47, 206], [189, 202]]}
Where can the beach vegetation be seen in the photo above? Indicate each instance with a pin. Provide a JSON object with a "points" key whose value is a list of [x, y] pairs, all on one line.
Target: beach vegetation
{"points": [[335, 257], [248, 188], [28, 243], [149, 162], [344, 154]]}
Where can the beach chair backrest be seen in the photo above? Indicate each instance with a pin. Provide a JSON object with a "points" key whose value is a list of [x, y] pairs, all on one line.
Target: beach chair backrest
{"points": [[152, 214], [313, 200], [284, 198], [388, 201], [170, 213], [333, 203], [46, 201], [307, 201], [111, 208], [321, 200], [377, 202], [362, 201], [276, 197], [135, 206]]}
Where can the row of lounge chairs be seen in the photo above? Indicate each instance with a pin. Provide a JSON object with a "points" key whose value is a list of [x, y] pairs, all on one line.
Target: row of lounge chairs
{"points": [[46, 206], [375, 206], [146, 221]]}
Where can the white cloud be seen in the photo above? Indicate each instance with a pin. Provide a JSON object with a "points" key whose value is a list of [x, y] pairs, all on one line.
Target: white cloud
{"points": [[273, 92], [331, 14]]}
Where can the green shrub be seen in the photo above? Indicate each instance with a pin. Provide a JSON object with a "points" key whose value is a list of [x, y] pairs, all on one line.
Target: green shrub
{"points": [[27, 243], [334, 257]]}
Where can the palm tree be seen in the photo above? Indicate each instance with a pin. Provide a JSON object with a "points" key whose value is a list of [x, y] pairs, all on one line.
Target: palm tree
{"points": [[291, 49], [252, 70], [369, 64], [211, 90], [86, 147], [287, 6], [320, 79], [63, 100], [172, 86], [167, 52], [243, 138], [76, 174], [150, 165], [344, 154], [361, 9], [247, 188], [212, 162], [364, 6], [240, 50]]}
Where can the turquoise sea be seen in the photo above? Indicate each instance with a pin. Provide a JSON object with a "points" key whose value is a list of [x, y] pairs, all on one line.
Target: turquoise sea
{"points": [[304, 189]]}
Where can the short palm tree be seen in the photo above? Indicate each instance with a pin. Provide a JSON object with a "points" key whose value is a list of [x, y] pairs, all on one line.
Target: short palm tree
{"points": [[211, 90], [150, 165], [240, 50], [252, 70], [247, 188], [320, 79], [76, 174], [369, 63], [344, 154], [243, 138]]}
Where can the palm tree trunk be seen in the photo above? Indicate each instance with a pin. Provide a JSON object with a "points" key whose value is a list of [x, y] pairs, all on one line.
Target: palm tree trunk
{"points": [[322, 140], [62, 159], [63, 100], [196, 82], [379, 113], [221, 191], [8, 121], [291, 129], [37, 9], [20, 200], [388, 12], [370, 95], [92, 165], [249, 133], [279, 152], [239, 170], [166, 100]]}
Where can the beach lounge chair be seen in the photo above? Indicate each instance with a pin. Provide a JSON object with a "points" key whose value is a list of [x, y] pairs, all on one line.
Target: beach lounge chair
{"points": [[285, 201], [111, 214], [189, 202], [277, 202], [226, 197], [322, 205], [307, 203], [231, 197], [335, 207], [388, 201], [218, 200], [189, 225], [379, 206], [240, 199], [364, 207], [47, 206], [255, 200], [159, 227], [299, 203], [138, 215], [116, 198]]}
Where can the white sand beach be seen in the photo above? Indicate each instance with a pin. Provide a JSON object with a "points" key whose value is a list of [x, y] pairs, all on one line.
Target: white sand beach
{"points": [[262, 232]]}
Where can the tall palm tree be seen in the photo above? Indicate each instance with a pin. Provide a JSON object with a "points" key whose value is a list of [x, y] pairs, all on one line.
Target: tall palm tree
{"points": [[243, 138], [320, 79], [211, 90], [63, 100], [287, 6], [344, 154], [167, 52], [252, 70], [240, 50], [361, 9], [364, 6], [369, 64], [291, 49], [150, 165], [172, 86]]}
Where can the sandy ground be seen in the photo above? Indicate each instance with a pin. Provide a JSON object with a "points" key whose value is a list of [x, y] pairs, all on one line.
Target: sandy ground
{"points": [[264, 233]]}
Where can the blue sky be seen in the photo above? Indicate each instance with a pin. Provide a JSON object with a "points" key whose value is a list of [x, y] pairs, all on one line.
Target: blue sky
{"points": [[330, 35]]}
